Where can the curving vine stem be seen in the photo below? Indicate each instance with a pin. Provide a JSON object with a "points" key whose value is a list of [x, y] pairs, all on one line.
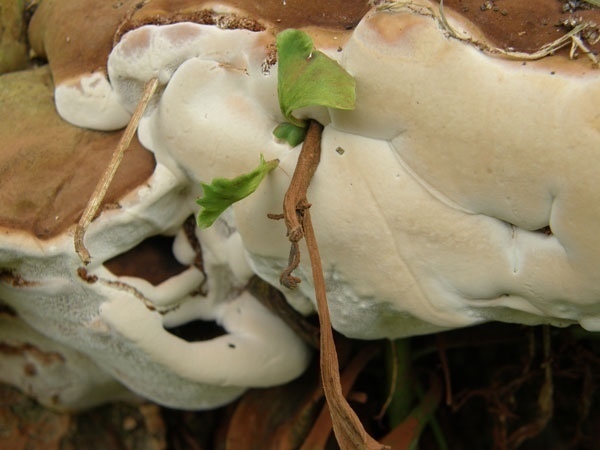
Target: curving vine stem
{"points": [[347, 427]]}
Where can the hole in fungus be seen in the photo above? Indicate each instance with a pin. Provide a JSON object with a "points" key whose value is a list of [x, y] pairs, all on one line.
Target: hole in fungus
{"points": [[151, 260], [6, 310], [546, 230], [197, 330]]}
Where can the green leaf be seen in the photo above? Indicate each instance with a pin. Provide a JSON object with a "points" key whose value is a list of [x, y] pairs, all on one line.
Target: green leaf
{"points": [[308, 77], [290, 133], [221, 193]]}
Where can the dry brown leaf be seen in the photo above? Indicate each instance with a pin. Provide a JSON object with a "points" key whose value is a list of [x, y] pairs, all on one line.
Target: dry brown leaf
{"points": [[317, 439], [278, 417]]}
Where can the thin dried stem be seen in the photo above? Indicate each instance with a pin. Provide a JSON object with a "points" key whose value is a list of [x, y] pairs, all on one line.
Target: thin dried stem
{"points": [[545, 398], [347, 427], [393, 381], [295, 201], [103, 184]]}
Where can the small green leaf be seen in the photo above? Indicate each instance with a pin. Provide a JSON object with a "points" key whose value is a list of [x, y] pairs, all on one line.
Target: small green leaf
{"points": [[290, 133], [221, 193], [308, 77]]}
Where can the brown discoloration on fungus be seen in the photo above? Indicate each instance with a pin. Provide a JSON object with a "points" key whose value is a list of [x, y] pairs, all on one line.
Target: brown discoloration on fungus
{"points": [[11, 278], [85, 276], [48, 168], [204, 17], [334, 14], [34, 353], [29, 370]]}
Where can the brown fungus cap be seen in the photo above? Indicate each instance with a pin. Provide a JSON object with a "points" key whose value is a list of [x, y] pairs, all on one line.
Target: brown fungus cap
{"points": [[252, 15], [524, 26], [84, 39], [75, 36], [88, 28], [49, 168]]}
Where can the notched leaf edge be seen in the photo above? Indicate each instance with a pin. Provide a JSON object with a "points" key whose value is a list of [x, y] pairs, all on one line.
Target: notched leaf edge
{"points": [[221, 193]]}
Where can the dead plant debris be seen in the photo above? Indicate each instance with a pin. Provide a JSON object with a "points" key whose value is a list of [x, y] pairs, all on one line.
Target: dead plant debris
{"points": [[514, 387]]}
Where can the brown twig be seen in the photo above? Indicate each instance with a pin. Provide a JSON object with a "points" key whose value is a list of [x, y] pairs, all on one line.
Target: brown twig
{"points": [[545, 399], [189, 229], [295, 202], [393, 381], [347, 427], [103, 184], [441, 345]]}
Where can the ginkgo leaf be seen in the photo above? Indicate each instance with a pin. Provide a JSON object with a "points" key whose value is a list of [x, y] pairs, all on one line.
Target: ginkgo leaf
{"points": [[308, 77], [221, 193]]}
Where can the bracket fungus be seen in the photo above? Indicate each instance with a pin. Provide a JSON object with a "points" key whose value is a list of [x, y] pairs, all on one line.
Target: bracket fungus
{"points": [[106, 312], [459, 190], [118, 319]]}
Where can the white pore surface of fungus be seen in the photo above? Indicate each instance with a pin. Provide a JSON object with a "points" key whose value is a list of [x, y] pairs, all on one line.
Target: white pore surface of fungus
{"points": [[90, 102], [55, 374], [430, 196], [120, 322]]}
